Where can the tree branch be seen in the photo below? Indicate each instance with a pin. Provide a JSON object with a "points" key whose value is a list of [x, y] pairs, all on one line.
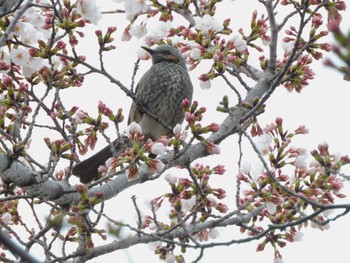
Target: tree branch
{"points": [[14, 21]]}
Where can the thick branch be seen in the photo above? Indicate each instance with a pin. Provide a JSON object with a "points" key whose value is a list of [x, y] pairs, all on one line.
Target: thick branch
{"points": [[176, 233], [39, 186]]}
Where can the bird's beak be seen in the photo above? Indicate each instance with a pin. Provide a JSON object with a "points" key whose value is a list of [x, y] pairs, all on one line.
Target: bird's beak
{"points": [[149, 50]]}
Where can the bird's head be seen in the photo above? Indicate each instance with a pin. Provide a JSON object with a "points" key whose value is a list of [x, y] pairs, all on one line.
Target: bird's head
{"points": [[165, 53]]}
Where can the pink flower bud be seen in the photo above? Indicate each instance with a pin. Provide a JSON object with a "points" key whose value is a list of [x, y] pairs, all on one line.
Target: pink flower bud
{"points": [[4, 66], [98, 33], [7, 80], [189, 117], [111, 29], [33, 52], [185, 182], [341, 6], [186, 103], [222, 208], [219, 169], [214, 127], [81, 188], [279, 121]]}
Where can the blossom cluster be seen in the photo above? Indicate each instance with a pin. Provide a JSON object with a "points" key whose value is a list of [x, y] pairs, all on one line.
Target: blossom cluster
{"points": [[140, 151], [43, 50], [194, 116], [191, 198], [288, 186]]}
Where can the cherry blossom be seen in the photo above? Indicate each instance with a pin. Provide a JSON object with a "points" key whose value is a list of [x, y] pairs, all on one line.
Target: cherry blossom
{"points": [[6, 218], [138, 31], [195, 53], [271, 207], [187, 204], [133, 128], [170, 178], [207, 23], [214, 233], [239, 42], [34, 65], [159, 32], [262, 143], [142, 54], [19, 56], [158, 148], [133, 7], [170, 258], [88, 10], [205, 84]]}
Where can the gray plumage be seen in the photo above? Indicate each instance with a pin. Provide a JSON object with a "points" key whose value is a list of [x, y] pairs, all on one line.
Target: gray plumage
{"points": [[160, 91]]}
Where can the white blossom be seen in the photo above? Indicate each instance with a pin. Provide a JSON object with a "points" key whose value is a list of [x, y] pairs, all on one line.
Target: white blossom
{"points": [[158, 148], [271, 207], [19, 27], [138, 31], [265, 42], [288, 46], [160, 31], [56, 62], [142, 54], [262, 143], [327, 212], [205, 84], [298, 236], [34, 65], [214, 233], [300, 162], [181, 134], [213, 200], [277, 260], [6, 218], [206, 23], [133, 7], [256, 171], [187, 204], [34, 17], [133, 128], [170, 178], [240, 43], [245, 168], [177, 129], [176, 39], [89, 10], [154, 245], [19, 56], [79, 116], [170, 258], [195, 53], [27, 33]]}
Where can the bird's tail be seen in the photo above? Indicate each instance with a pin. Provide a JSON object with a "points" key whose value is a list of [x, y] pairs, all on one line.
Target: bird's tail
{"points": [[87, 169]]}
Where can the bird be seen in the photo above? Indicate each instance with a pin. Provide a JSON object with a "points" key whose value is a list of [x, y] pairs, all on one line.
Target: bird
{"points": [[161, 91]]}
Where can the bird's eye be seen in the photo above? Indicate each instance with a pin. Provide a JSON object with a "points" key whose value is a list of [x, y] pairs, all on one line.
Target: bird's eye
{"points": [[167, 52]]}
